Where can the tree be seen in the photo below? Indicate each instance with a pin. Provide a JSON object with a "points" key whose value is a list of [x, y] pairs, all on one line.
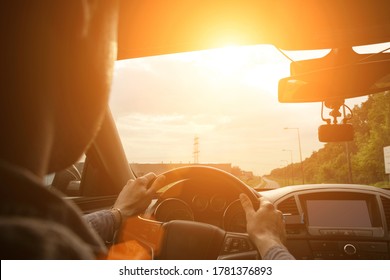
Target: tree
{"points": [[373, 135], [371, 122]]}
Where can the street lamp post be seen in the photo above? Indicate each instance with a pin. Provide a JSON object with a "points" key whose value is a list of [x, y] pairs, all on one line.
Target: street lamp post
{"points": [[292, 166], [300, 152]]}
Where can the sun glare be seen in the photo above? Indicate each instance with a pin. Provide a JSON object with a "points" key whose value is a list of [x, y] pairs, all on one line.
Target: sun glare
{"points": [[259, 66], [256, 66], [227, 60]]}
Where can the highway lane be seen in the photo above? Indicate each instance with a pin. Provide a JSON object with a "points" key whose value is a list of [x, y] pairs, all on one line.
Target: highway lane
{"points": [[270, 184]]}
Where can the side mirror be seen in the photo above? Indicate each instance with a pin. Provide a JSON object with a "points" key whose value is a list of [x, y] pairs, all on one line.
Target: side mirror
{"points": [[335, 133]]}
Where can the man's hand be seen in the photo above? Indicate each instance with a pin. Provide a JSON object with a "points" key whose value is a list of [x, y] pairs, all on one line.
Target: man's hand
{"points": [[265, 225], [137, 194]]}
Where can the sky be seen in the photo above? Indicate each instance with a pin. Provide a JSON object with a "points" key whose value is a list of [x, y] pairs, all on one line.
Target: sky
{"points": [[227, 97]]}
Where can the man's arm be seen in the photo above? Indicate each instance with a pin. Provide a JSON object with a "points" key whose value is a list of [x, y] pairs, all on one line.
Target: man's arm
{"points": [[135, 196], [103, 222]]}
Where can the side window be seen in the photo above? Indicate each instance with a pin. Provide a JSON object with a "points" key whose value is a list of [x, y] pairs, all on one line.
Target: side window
{"points": [[67, 181], [49, 179]]}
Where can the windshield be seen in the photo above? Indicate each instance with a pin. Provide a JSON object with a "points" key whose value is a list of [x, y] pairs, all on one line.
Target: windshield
{"points": [[220, 107]]}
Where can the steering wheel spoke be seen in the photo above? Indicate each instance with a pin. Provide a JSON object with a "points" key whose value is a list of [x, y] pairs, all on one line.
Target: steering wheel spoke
{"points": [[185, 240], [238, 246]]}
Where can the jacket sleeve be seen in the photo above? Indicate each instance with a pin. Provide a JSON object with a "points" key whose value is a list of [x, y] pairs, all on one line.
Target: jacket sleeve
{"points": [[103, 223]]}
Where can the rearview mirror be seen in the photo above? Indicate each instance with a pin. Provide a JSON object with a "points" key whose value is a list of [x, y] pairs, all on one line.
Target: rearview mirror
{"points": [[346, 81], [335, 133]]}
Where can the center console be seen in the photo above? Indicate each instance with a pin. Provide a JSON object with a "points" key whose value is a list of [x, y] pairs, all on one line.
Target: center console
{"points": [[338, 225]]}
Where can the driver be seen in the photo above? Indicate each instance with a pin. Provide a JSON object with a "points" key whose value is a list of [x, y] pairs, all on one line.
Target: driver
{"points": [[57, 62]]}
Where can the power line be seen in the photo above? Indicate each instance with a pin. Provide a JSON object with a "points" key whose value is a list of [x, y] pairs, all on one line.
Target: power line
{"points": [[196, 149]]}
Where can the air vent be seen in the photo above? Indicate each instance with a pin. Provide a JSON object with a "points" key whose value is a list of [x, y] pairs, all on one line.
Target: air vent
{"points": [[288, 206], [386, 208]]}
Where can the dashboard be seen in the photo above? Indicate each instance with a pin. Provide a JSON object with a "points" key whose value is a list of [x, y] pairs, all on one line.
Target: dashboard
{"points": [[335, 221], [326, 221]]}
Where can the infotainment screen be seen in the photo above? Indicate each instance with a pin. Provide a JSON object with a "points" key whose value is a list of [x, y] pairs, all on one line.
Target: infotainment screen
{"points": [[338, 213]]}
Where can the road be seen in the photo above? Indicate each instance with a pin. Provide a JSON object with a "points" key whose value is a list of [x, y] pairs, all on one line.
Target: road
{"points": [[270, 184]]}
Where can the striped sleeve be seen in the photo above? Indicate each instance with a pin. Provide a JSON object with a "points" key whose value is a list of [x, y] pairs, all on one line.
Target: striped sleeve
{"points": [[278, 253]]}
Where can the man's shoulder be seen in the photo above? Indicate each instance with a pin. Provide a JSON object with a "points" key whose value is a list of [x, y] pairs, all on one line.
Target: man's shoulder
{"points": [[33, 238], [22, 194], [28, 206]]}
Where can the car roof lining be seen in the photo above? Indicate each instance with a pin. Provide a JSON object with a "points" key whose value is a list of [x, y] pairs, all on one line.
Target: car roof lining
{"points": [[148, 28]]}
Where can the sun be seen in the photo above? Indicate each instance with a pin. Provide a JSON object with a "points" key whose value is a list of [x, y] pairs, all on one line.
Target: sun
{"points": [[256, 66], [226, 61], [260, 67], [267, 76]]}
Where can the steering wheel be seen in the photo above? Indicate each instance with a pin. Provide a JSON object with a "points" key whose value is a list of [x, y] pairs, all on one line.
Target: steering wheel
{"points": [[179, 239]]}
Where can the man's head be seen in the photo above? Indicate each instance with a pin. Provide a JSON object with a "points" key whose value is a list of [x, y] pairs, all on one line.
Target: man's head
{"points": [[57, 59]]}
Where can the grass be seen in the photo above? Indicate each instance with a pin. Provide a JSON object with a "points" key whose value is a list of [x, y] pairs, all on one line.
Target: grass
{"points": [[383, 184]]}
